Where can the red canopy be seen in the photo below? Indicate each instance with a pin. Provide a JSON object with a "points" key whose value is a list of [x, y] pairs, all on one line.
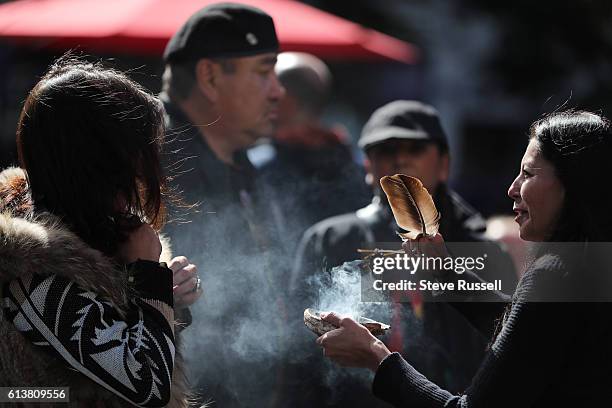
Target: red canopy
{"points": [[145, 26]]}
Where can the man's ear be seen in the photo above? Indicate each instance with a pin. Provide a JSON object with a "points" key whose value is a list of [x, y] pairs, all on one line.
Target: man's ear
{"points": [[207, 75], [444, 168]]}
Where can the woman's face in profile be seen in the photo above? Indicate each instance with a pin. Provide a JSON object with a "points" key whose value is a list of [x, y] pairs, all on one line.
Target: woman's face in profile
{"points": [[537, 194]]}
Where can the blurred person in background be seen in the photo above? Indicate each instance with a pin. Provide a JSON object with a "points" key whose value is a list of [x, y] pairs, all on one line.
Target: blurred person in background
{"points": [[552, 348], [406, 137], [310, 172], [86, 303]]}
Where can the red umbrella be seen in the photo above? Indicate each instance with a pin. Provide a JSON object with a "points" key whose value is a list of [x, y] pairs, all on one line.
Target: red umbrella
{"points": [[144, 27]]}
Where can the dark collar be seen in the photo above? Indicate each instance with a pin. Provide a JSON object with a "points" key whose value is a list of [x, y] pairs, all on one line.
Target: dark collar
{"points": [[185, 138]]}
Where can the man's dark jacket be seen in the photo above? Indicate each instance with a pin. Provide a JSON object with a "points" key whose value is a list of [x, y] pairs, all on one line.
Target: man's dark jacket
{"points": [[229, 236]]}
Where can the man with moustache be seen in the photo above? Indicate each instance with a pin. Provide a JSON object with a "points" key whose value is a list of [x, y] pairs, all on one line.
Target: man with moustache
{"points": [[221, 94], [406, 137]]}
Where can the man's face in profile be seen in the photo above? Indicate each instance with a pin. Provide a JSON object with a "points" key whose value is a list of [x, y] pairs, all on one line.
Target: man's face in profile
{"points": [[417, 158], [249, 98]]}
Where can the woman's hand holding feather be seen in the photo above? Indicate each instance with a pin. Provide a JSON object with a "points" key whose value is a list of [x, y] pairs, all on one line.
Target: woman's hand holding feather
{"points": [[431, 247]]}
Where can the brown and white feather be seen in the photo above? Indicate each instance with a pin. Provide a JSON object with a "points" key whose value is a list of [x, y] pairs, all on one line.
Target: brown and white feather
{"points": [[413, 208]]}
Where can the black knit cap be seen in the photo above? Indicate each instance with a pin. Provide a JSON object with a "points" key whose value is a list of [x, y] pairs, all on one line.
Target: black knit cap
{"points": [[223, 30], [411, 120]]}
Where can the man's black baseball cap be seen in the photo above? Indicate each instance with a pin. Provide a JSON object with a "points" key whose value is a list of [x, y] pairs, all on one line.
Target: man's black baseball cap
{"points": [[411, 120], [223, 30]]}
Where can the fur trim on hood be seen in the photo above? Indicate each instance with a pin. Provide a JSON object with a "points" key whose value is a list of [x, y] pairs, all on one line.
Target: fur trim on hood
{"points": [[39, 244]]}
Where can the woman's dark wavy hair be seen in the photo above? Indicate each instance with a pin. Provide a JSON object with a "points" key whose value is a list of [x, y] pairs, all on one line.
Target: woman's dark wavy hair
{"points": [[579, 146], [88, 135]]}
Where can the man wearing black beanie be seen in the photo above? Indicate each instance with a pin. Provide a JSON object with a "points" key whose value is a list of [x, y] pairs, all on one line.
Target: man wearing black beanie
{"points": [[220, 89], [221, 94]]}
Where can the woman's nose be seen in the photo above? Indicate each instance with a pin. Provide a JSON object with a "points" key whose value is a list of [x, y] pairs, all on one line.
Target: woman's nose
{"points": [[515, 189]]}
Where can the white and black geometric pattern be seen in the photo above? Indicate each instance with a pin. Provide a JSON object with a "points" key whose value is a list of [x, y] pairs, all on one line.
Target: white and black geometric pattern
{"points": [[131, 356]]}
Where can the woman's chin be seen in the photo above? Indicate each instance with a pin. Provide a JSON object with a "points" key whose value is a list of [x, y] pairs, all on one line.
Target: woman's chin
{"points": [[527, 234]]}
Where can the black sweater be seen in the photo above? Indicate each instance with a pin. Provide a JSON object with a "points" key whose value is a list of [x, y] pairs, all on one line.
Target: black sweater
{"points": [[547, 354]]}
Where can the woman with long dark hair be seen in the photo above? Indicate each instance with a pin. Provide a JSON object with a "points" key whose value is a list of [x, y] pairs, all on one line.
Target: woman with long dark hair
{"points": [[86, 302], [553, 347]]}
